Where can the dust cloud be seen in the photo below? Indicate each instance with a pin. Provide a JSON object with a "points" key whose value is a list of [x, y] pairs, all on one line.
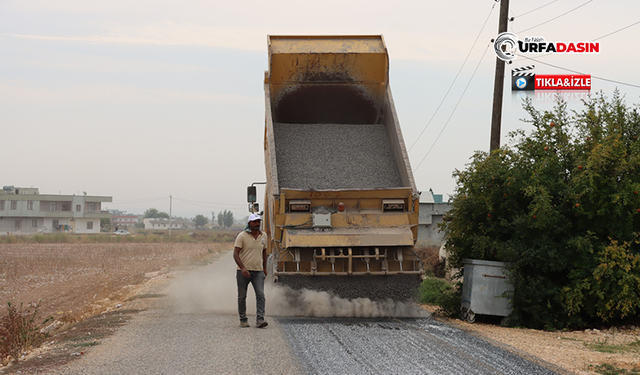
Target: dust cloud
{"points": [[213, 289], [284, 301]]}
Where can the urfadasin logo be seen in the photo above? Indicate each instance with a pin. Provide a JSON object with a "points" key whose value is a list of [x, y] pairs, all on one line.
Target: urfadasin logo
{"points": [[506, 45]]}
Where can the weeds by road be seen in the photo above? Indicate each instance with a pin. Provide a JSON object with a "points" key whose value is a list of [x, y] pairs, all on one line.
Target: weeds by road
{"points": [[20, 330]]}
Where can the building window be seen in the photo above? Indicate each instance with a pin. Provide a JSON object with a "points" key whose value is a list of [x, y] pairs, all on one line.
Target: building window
{"points": [[54, 206], [89, 224], [14, 206], [30, 205], [91, 207], [34, 223], [1, 205], [78, 207], [17, 224], [56, 223]]}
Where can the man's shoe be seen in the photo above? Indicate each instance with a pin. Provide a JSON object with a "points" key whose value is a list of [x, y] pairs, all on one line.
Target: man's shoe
{"points": [[244, 324], [261, 324]]}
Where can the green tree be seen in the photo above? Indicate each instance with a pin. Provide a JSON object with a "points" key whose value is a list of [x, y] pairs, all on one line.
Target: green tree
{"points": [[228, 219], [561, 205], [105, 221], [225, 218], [200, 221], [153, 213]]}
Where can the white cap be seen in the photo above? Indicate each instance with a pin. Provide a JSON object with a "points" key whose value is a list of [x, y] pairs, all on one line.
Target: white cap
{"points": [[254, 217]]}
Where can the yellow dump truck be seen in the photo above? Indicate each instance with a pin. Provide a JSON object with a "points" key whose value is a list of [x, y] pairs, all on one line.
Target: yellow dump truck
{"points": [[341, 205]]}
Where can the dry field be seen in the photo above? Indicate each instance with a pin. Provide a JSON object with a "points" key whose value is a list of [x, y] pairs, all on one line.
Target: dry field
{"points": [[74, 281]]}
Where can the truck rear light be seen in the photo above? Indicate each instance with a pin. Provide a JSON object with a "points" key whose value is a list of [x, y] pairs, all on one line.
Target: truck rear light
{"points": [[393, 205], [299, 206]]}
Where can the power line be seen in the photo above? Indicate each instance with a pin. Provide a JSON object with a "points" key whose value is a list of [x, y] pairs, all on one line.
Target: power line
{"points": [[598, 38], [575, 71], [614, 32], [141, 200], [531, 11], [555, 18], [188, 201], [454, 80], [454, 109], [207, 204]]}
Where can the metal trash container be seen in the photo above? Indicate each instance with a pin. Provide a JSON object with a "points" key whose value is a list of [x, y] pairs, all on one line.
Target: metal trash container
{"points": [[485, 289]]}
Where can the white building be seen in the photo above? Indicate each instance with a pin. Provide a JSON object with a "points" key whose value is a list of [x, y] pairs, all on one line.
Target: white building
{"points": [[432, 209], [26, 211], [124, 220], [162, 223]]}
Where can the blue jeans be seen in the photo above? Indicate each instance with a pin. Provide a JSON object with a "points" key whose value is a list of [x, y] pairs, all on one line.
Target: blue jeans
{"points": [[257, 280]]}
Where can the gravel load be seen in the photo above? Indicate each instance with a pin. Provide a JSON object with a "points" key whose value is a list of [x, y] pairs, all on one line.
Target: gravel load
{"points": [[334, 156]]}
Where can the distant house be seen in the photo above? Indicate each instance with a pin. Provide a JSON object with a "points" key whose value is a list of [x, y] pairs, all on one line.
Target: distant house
{"points": [[162, 223], [26, 211], [432, 209], [124, 220]]}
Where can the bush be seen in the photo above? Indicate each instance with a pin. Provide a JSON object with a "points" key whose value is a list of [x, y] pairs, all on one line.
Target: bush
{"points": [[9, 238], [430, 259], [561, 205], [183, 238], [451, 302], [19, 330], [432, 289], [445, 295]]}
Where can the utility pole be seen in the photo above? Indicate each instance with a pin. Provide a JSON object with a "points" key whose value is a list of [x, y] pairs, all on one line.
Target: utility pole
{"points": [[170, 209], [498, 87]]}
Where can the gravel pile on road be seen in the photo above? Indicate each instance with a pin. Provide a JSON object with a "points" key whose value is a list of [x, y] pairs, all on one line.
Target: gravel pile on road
{"points": [[373, 287], [397, 346], [334, 156]]}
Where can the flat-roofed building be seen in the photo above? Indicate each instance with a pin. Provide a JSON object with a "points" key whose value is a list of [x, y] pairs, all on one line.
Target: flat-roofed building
{"points": [[26, 211], [432, 211]]}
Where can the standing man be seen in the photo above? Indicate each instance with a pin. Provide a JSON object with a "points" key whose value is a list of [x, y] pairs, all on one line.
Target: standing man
{"points": [[250, 254]]}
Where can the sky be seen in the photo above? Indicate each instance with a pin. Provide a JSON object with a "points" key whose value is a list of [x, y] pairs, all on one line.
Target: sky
{"points": [[146, 100]]}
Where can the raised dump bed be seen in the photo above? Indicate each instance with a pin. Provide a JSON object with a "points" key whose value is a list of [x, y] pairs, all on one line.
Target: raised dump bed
{"points": [[341, 206]]}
